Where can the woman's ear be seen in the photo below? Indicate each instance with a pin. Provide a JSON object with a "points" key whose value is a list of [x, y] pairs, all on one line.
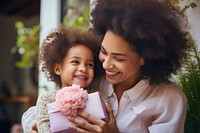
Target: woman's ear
{"points": [[57, 69]]}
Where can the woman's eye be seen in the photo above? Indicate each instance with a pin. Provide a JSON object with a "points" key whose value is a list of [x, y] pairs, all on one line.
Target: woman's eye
{"points": [[103, 51], [119, 60]]}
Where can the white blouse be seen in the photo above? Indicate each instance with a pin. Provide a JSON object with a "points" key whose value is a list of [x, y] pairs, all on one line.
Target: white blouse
{"points": [[149, 108]]}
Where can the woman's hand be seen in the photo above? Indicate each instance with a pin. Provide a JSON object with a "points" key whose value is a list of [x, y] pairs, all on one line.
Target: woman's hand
{"points": [[34, 128], [94, 125]]}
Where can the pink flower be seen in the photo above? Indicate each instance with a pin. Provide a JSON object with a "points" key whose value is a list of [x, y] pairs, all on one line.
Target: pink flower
{"points": [[70, 99]]}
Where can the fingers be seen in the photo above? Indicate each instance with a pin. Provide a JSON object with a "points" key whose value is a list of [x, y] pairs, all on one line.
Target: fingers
{"points": [[87, 123], [32, 131], [82, 125], [110, 113], [34, 127], [90, 118], [78, 130]]}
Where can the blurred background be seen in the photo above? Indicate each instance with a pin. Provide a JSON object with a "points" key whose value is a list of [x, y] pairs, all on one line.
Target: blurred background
{"points": [[14, 98], [11, 11], [23, 26]]}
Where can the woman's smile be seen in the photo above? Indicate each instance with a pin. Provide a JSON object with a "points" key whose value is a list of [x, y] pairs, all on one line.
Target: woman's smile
{"points": [[111, 73]]}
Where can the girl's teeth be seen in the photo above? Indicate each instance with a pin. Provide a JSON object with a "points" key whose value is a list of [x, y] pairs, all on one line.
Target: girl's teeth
{"points": [[81, 77]]}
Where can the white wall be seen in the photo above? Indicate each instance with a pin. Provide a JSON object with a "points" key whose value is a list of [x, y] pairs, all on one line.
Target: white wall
{"points": [[194, 19], [50, 18]]}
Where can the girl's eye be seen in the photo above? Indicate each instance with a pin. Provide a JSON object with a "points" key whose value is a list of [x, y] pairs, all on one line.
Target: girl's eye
{"points": [[75, 62], [90, 65]]}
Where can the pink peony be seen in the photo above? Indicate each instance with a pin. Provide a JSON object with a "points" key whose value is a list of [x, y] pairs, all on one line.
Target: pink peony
{"points": [[71, 98]]}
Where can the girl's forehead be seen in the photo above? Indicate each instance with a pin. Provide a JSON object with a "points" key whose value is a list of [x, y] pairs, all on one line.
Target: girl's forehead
{"points": [[80, 46], [80, 50]]}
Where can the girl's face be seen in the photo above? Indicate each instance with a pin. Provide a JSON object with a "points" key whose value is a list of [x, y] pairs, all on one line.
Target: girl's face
{"points": [[121, 63], [77, 67]]}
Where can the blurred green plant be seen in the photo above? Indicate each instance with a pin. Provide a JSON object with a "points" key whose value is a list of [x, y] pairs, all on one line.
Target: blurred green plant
{"points": [[189, 79], [77, 13], [27, 45], [188, 5]]}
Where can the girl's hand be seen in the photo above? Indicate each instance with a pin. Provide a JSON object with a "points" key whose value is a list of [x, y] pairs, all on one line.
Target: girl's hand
{"points": [[94, 125]]}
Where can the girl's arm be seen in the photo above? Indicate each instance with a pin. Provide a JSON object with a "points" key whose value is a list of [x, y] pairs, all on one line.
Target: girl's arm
{"points": [[42, 117]]}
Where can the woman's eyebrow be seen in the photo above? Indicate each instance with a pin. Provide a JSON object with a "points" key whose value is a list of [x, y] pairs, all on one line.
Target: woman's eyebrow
{"points": [[119, 54], [115, 54], [102, 47]]}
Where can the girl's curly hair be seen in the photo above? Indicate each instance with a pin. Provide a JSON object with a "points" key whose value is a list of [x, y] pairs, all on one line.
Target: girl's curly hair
{"points": [[155, 30], [56, 45]]}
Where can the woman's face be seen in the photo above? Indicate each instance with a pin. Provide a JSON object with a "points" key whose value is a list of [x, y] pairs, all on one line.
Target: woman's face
{"points": [[77, 67], [121, 63]]}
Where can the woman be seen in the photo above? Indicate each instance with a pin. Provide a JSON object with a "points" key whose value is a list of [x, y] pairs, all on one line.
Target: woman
{"points": [[144, 43]]}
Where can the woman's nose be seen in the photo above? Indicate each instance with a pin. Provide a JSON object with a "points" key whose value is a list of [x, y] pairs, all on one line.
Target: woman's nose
{"points": [[107, 63]]}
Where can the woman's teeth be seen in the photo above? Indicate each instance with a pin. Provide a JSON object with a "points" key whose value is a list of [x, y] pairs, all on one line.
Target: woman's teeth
{"points": [[111, 73]]}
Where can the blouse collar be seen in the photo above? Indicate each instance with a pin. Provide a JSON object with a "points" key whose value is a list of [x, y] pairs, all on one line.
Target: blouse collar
{"points": [[133, 92], [137, 90]]}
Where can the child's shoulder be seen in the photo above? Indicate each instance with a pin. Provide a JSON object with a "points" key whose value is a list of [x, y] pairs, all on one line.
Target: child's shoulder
{"points": [[48, 93], [48, 96]]}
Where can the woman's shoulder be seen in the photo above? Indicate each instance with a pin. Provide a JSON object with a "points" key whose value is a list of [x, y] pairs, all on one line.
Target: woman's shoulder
{"points": [[169, 86], [170, 90]]}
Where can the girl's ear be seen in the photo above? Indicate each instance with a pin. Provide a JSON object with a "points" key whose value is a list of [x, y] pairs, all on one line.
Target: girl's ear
{"points": [[57, 69], [142, 62]]}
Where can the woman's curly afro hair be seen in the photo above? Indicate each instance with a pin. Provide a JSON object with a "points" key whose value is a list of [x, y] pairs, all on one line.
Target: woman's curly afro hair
{"points": [[155, 30]]}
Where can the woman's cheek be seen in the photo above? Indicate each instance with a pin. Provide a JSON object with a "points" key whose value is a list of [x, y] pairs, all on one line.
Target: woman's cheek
{"points": [[101, 57]]}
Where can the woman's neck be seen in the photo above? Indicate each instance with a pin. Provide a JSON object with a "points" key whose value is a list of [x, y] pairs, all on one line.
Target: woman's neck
{"points": [[126, 85]]}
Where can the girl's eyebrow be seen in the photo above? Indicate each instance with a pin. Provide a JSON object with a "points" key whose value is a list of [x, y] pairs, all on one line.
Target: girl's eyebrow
{"points": [[116, 54], [75, 57]]}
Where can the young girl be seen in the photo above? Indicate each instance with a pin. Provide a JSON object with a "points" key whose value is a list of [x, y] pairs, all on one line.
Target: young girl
{"points": [[68, 57]]}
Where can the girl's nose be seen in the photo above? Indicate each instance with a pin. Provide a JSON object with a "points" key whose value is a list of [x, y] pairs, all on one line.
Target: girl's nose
{"points": [[82, 68]]}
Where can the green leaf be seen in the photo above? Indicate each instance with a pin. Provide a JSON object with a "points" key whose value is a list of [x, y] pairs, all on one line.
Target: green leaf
{"points": [[28, 41], [19, 25]]}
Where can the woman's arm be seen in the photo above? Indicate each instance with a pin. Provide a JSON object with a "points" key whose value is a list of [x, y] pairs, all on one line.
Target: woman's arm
{"points": [[28, 119], [173, 115]]}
